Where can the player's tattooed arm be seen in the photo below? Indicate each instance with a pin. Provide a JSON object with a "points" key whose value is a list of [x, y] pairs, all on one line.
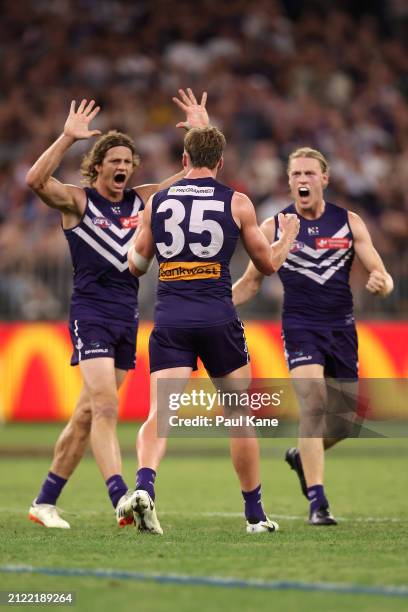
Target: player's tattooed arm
{"points": [[141, 252], [66, 198], [196, 116], [379, 280]]}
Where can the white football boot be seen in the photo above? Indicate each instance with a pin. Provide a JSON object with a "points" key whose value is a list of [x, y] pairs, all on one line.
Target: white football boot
{"points": [[124, 511], [262, 527], [144, 512], [47, 515]]}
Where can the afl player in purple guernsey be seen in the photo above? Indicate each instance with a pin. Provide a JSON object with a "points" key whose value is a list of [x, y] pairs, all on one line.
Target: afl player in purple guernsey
{"points": [[318, 324], [192, 228], [99, 222]]}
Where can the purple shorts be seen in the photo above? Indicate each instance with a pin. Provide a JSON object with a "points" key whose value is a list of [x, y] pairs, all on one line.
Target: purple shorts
{"points": [[93, 339], [221, 348], [336, 350]]}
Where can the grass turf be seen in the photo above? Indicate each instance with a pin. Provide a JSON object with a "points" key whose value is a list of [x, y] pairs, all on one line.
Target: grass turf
{"points": [[366, 484]]}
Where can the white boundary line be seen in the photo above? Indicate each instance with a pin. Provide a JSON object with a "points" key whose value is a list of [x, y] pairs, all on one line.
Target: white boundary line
{"points": [[285, 517]]}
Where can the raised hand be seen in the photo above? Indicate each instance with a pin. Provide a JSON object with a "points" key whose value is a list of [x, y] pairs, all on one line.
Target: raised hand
{"points": [[289, 225], [196, 114], [76, 125]]}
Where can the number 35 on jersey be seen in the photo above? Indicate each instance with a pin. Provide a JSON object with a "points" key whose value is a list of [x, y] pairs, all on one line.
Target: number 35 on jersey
{"points": [[208, 236]]}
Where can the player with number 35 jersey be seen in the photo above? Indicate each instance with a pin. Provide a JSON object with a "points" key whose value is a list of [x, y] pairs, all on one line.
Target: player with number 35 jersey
{"points": [[193, 228], [194, 264], [195, 236]]}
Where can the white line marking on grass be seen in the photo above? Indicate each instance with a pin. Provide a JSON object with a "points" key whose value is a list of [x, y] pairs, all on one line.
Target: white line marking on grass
{"points": [[213, 581], [285, 517], [289, 517]]}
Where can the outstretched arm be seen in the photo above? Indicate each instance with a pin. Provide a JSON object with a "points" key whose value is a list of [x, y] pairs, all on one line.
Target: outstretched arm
{"points": [[66, 198], [196, 116], [379, 281]]}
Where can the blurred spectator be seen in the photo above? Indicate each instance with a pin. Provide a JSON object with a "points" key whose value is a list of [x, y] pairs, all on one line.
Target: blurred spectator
{"points": [[276, 77]]}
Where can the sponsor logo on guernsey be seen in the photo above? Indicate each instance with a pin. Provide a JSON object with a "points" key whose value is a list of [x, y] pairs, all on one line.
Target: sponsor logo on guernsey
{"points": [[116, 210], [191, 190], [297, 246], [129, 222], [101, 221], [188, 270], [332, 243], [313, 231]]}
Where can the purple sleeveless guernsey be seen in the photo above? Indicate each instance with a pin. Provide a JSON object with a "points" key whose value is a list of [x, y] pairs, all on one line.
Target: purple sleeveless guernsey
{"points": [[195, 236], [104, 289], [315, 275]]}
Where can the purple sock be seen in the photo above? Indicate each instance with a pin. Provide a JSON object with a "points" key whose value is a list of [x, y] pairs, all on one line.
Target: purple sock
{"points": [[253, 505], [316, 497], [51, 489], [116, 488], [145, 478]]}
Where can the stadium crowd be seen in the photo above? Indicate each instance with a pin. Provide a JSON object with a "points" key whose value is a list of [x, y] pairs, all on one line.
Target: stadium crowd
{"points": [[277, 78]]}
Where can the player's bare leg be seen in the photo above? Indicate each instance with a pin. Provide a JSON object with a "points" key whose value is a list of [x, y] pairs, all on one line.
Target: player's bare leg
{"points": [[151, 447], [245, 457], [68, 452], [74, 438], [244, 450], [311, 391], [100, 382], [312, 454], [100, 378], [343, 419]]}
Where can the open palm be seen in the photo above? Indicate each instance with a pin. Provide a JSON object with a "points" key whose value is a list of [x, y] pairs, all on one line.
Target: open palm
{"points": [[196, 114], [77, 123]]}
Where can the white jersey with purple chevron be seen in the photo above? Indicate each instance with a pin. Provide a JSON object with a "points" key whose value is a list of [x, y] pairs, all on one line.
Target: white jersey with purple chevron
{"points": [[104, 289], [316, 273]]}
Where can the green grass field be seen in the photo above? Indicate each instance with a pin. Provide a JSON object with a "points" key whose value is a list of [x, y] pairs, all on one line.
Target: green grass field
{"points": [[199, 504]]}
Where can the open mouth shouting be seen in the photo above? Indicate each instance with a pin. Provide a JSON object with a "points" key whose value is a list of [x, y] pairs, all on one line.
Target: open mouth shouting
{"points": [[120, 179], [304, 192]]}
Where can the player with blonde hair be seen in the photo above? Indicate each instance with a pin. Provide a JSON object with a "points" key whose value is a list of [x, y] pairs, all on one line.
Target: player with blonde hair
{"points": [[319, 333]]}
